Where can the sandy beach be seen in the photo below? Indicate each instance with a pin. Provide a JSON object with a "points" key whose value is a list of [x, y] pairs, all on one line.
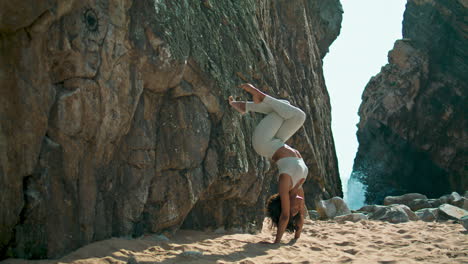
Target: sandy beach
{"points": [[321, 242]]}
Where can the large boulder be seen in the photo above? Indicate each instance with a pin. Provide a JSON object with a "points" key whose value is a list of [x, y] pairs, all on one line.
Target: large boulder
{"points": [[114, 118], [370, 208], [405, 199], [428, 214], [355, 217], [455, 199], [329, 209], [462, 203], [447, 211], [396, 213], [450, 198], [418, 204], [413, 128]]}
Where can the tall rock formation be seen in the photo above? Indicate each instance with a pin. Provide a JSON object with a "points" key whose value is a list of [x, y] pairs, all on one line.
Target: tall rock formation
{"points": [[413, 128], [114, 118]]}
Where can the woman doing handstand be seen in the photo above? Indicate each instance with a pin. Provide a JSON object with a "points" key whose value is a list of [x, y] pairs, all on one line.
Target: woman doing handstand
{"points": [[282, 120]]}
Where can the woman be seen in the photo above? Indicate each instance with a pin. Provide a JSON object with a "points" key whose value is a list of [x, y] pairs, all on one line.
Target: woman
{"points": [[282, 120]]}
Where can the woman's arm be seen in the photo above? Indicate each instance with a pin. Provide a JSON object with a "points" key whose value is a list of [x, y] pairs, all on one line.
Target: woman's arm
{"points": [[283, 185], [300, 222]]}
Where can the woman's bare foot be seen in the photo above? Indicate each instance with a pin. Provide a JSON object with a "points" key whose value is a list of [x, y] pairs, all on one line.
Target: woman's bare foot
{"points": [[257, 95], [238, 105]]}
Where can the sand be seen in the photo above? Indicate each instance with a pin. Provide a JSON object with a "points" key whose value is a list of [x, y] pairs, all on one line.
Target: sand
{"points": [[321, 242]]}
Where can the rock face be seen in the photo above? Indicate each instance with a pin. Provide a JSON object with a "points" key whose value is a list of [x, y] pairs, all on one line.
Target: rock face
{"points": [[413, 129], [114, 121]]}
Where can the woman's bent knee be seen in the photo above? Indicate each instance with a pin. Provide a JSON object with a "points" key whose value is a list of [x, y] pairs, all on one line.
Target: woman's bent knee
{"points": [[300, 116]]}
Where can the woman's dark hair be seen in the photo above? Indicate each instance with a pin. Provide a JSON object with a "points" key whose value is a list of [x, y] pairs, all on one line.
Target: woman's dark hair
{"points": [[274, 212]]}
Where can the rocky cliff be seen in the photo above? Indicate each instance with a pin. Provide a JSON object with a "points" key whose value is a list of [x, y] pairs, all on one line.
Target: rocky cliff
{"points": [[114, 118], [413, 129]]}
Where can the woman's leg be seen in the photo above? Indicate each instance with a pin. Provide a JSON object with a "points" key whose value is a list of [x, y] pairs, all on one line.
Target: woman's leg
{"points": [[281, 122], [261, 107], [264, 139], [248, 106], [293, 117]]}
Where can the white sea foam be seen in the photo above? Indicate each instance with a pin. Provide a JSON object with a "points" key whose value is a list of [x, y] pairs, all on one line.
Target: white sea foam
{"points": [[355, 193]]}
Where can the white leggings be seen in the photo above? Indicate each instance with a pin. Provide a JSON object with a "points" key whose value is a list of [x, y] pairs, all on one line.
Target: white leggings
{"points": [[281, 122]]}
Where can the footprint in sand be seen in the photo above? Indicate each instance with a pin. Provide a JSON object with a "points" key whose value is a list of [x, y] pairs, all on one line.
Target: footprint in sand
{"points": [[345, 260], [374, 246], [396, 245], [344, 232], [316, 249], [344, 243], [387, 262], [438, 240], [351, 251], [402, 231]]}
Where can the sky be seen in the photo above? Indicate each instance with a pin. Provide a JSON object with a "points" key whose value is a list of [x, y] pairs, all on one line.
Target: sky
{"points": [[368, 32]]}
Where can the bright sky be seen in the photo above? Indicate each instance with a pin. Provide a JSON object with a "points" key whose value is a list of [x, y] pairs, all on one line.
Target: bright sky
{"points": [[368, 32]]}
